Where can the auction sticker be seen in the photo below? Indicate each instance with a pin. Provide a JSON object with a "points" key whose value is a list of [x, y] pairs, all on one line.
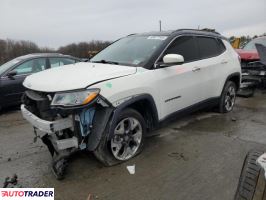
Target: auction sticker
{"points": [[26, 193]]}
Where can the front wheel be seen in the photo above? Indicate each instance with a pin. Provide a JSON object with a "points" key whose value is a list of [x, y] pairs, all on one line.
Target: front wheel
{"points": [[124, 141], [228, 97]]}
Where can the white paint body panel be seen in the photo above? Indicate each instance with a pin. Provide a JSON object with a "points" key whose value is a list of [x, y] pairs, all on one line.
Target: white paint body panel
{"points": [[194, 82], [76, 76]]}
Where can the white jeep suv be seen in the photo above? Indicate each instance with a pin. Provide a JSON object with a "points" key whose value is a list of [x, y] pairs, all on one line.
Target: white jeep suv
{"points": [[109, 104]]}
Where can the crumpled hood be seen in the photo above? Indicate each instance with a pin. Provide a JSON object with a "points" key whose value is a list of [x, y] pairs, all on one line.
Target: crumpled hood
{"points": [[76, 76], [248, 54]]}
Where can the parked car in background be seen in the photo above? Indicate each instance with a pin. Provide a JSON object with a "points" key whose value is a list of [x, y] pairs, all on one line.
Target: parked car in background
{"points": [[249, 52], [13, 73]]}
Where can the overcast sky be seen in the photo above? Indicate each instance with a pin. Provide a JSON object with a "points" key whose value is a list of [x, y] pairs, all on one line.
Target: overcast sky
{"points": [[53, 23]]}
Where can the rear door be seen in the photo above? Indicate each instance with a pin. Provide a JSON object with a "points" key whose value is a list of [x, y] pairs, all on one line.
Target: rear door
{"points": [[180, 86], [212, 62], [12, 87]]}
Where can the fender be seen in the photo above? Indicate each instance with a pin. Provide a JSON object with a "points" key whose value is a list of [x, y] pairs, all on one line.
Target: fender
{"points": [[110, 115], [131, 101]]}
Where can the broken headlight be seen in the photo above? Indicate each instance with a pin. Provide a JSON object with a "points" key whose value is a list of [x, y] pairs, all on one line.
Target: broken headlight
{"points": [[77, 98]]}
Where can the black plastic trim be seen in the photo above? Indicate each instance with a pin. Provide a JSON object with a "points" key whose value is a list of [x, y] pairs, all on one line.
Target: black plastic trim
{"points": [[131, 101], [236, 74], [100, 121]]}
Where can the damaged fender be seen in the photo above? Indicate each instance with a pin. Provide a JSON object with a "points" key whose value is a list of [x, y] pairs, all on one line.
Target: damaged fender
{"points": [[101, 118], [128, 103], [110, 115]]}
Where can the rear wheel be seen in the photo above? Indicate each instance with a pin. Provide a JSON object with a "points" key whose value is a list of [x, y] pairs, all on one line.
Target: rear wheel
{"points": [[228, 97], [251, 184], [124, 141]]}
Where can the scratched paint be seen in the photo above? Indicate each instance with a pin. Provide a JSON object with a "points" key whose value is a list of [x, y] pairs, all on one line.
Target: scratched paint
{"points": [[180, 70]]}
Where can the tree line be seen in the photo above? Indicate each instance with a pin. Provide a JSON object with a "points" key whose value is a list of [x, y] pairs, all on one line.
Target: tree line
{"points": [[10, 49], [245, 38]]}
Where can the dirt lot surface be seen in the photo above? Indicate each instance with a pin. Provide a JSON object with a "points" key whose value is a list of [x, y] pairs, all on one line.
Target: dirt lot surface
{"points": [[197, 157]]}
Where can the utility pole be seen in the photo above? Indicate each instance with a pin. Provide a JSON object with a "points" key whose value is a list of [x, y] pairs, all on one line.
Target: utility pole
{"points": [[160, 25]]}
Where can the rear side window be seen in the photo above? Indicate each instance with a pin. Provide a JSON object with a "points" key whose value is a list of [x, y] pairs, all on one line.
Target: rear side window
{"points": [[221, 46], [185, 46], [209, 47]]}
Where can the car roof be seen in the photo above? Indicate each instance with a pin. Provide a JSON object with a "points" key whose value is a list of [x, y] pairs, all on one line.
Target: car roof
{"points": [[37, 55], [173, 33], [260, 37]]}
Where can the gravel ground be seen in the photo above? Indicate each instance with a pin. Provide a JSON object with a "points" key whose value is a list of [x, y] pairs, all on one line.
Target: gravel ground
{"points": [[196, 157]]}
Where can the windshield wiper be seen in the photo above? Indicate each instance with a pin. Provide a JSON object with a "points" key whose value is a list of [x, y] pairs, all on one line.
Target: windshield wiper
{"points": [[106, 62]]}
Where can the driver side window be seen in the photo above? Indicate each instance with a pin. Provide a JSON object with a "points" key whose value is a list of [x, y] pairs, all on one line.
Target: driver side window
{"points": [[185, 46]]}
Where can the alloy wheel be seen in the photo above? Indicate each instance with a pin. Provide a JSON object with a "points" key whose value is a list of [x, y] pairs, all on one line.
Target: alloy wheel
{"points": [[127, 138], [230, 98]]}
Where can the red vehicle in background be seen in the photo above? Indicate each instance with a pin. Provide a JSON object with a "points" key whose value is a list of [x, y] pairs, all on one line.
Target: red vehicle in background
{"points": [[249, 53], [253, 64]]}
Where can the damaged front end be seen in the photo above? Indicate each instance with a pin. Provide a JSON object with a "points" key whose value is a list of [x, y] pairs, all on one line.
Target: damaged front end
{"points": [[66, 122]]}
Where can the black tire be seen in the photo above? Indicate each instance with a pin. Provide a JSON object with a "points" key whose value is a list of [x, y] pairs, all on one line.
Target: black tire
{"points": [[222, 102], [104, 153], [251, 185]]}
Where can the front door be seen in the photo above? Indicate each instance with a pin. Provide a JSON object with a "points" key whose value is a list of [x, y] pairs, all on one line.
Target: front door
{"points": [[180, 86]]}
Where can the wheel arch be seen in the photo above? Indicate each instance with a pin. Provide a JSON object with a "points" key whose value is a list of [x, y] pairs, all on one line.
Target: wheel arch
{"points": [[234, 77], [145, 105]]}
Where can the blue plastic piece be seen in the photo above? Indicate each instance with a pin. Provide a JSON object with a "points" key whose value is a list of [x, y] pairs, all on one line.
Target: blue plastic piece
{"points": [[86, 117]]}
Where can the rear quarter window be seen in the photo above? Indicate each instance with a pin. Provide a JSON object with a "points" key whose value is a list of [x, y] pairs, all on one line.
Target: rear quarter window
{"points": [[221, 45], [209, 47]]}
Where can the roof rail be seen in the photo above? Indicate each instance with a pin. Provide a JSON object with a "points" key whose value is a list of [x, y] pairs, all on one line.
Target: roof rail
{"points": [[42, 53], [199, 30]]}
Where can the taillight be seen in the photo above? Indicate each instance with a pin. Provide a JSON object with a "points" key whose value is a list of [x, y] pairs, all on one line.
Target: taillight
{"points": [[239, 58]]}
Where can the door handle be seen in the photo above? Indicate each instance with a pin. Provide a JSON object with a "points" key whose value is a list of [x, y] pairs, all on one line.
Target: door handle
{"points": [[196, 69], [224, 62]]}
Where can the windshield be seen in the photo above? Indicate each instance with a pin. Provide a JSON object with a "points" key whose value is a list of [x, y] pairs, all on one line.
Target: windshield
{"points": [[251, 44], [131, 50], [8, 64]]}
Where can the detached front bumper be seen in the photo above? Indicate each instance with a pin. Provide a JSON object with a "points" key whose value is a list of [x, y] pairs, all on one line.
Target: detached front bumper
{"points": [[49, 127]]}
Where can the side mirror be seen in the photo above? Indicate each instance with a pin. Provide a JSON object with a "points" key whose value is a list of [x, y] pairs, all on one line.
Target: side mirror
{"points": [[11, 74], [173, 59]]}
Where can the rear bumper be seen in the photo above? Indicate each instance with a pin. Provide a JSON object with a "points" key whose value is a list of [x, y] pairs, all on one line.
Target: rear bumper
{"points": [[46, 126]]}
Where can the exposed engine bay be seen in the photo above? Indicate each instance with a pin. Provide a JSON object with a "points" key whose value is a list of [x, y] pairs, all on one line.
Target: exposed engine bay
{"points": [[65, 130]]}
